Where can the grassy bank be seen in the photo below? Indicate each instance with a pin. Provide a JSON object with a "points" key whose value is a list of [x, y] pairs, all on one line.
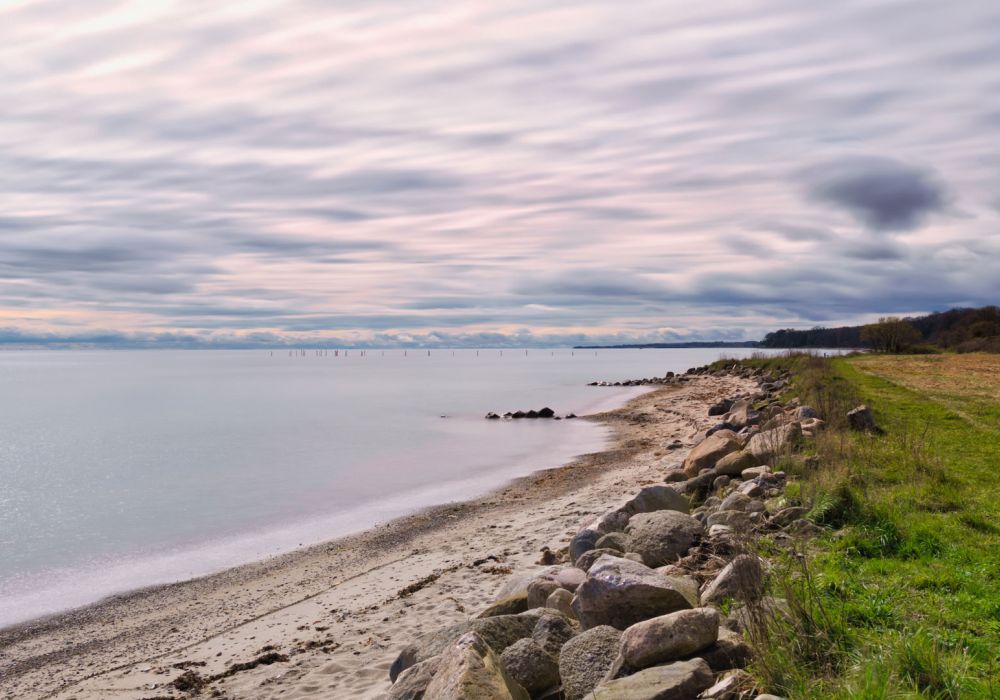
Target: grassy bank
{"points": [[899, 595]]}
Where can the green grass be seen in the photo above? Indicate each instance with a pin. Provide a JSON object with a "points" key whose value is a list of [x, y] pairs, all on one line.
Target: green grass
{"points": [[903, 589]]}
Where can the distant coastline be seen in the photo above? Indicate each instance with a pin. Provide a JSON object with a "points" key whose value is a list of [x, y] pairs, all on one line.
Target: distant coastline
{"points": [[673, 346]]}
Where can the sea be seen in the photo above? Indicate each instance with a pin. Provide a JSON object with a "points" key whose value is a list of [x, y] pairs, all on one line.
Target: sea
{"points": [[121, 469]]}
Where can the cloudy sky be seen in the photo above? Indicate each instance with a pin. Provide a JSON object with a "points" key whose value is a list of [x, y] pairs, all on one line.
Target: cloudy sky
{"points": [[522, 172]]}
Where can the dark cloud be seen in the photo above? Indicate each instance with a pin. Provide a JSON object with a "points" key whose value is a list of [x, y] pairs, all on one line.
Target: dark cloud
{"points": [[884, 194]]}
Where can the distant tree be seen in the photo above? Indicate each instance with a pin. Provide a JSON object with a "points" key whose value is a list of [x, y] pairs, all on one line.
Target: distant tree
{"points": [[891, 334]]}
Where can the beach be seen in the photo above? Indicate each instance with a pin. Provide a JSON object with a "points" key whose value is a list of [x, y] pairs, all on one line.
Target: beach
{"points": [[328, 620]]}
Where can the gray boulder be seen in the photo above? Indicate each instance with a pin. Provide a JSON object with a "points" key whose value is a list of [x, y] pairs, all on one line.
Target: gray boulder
{"points": [[585, 659], [620, 592], [862, 418], [561, 600], [498, 632], [552, 632], [583, 541], [539, 591], [777, 441], [412, 683], [741, 579], [617, 541], [681, 680], [734, 463], [530, 666], [469, 668], [669, 637], [662, 537], [709, 451], [587, 559], [656, 497]]}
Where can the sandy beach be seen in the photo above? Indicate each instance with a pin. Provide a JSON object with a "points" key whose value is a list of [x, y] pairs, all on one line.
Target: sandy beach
{"points": [[327, 621]]}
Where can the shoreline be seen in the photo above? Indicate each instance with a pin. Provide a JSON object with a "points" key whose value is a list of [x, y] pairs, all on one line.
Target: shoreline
{"points": [[131, 644]]}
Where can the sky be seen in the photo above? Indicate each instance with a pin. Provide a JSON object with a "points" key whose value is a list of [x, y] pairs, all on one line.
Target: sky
{"points": [[517, 173]]}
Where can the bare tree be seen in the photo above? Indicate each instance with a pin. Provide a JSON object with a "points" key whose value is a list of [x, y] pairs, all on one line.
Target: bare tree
{"points": [[891, 334]]}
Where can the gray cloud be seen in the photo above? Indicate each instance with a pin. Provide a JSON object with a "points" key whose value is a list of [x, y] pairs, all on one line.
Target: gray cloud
{"points": [[884, 194]]}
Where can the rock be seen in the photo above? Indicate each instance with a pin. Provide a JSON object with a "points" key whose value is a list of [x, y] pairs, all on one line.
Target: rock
{"points": [[634, 556], [709, 451], [742, 414], [617, 541], [737, 520], [620, 592], [518, 583], [530, 666], [750, 489], [612, 521], [552, 632], [492, 416], [570, 578], [674, 475], [412, 683], [469, 668], [734, 685], [561, 600], [731, 650], [734, 463], [862, 418], [587, 559], [720, 483], [656, 498], [546, 413], [735, 501], [802, 528], [786, 516], [721, 407], [803, 412], [511, 605], [499, 632], [720, 426], [754, 472], [585, 659], [583, 541], [718, 531], [741, 579], [777, 441], [539, 591], [662, 537], [669, 637], [681, 680]]}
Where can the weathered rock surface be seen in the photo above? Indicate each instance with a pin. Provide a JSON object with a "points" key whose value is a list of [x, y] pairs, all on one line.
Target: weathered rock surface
{"points": [[412, 683], [709, 451], [561, 600], [498, 632], [731, 650], [620, 592], [530, 666], [552, 631], [734, 685], [741, 579], [776, 441], [662, 537], [862, 418], [585, 659], [583, 541], [617, 541], [734, 463], [669, 637], [656, 497], [539, 591], [469, 668], [681, 680], [587, 559]]}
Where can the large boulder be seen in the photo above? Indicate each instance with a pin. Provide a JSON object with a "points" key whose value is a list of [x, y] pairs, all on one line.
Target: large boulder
{"points": [[662, 537], [742, 414], [709, 451], [412, 683], [585, 659], [734, 463], [681, 680], [656, 497], [669, 637], [498, 632], [552, 631], [862, 418], [620, 592], [469, 668], [741, 579], [583, 541], [777, 441], [617, 541], [530, 666]]}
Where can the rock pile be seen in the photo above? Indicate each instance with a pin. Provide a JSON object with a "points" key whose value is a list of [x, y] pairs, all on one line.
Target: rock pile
{"points": [[636, 611]]}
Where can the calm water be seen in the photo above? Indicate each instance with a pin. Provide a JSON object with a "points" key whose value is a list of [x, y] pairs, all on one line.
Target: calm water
{"points": [[122, 469]]}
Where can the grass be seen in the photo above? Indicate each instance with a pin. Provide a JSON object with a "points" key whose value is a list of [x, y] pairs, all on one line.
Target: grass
{"points": [[900, 598]]}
